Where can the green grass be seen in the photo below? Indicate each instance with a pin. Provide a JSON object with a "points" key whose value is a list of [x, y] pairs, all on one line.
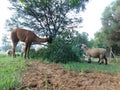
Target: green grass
{"points": [[10, 71], [94, 66]]}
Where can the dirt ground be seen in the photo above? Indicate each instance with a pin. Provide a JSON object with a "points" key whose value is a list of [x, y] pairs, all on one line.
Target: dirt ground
{"points": [[40, 76]]}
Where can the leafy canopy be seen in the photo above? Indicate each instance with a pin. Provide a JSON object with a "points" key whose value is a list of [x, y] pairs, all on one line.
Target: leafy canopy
{"points": [[110, 31], [45, 17]]}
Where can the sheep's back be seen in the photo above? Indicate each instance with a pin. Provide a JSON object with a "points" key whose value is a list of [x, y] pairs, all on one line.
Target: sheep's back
{"points": [[95, 52]]}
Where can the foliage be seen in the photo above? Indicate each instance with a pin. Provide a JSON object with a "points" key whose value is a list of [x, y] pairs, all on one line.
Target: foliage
{"points": [[58, 51], [5, 43], [45, 17], [77, 41], [78, 4], [10, 70], [110, 30], [49, 18], [64, 50], [116, 49], [74, 4], [32, 53], [96, 43]]}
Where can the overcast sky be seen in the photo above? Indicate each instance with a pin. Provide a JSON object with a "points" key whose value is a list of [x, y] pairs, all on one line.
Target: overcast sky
{"points": [[91, 16], [5, 13]]}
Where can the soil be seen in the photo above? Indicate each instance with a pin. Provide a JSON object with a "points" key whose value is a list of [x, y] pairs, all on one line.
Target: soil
{"points": [[41, 76]]}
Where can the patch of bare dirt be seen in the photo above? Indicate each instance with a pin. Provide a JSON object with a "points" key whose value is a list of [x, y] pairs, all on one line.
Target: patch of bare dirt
{"points": [[40, 76]]}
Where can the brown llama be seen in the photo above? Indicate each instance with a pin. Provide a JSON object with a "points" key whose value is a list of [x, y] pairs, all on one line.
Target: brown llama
{"points": [[28, 37]]}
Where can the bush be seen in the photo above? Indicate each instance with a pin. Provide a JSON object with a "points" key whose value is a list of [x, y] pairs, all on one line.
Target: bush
{"points": [[32, 54], [59, 51]]}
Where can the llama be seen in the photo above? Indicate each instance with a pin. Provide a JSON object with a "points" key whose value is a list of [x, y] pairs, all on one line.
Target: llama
{"points": [[28, 37], [96, 53]]}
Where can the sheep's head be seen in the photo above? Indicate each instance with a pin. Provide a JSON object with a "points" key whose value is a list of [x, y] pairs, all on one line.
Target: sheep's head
{"points": [[83, 46]]}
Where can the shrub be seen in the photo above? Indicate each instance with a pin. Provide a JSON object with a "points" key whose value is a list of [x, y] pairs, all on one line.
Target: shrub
{"points": [[32, 54], [59, 51]]}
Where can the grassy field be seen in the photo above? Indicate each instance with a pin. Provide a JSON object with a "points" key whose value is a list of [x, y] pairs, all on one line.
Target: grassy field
{"points": [[10, 70], [112, 67]]}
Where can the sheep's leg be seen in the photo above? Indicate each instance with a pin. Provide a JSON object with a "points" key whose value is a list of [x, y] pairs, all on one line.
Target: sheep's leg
{"points": [[99, 60], [89, 59], [102, 61], [105, 60]]}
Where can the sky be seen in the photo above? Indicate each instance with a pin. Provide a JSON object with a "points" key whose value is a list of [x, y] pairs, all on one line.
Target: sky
{"points": [[4, 15], [91, 16]]}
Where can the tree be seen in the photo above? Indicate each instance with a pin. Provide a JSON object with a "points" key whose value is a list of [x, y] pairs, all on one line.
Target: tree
{"points": [[45, 17], [49, 17], [77, 41], [64, 50], [5, 43], [110, 30], [74, 4]]}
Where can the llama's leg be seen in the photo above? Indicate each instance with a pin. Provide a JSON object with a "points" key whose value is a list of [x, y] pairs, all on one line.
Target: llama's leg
{"points": [[14, 42], [28, 49], [13, 48], [25, 51]]}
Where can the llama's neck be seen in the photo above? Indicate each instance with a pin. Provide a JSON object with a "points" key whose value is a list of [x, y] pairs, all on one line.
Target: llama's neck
{"points": [[41, 40]]}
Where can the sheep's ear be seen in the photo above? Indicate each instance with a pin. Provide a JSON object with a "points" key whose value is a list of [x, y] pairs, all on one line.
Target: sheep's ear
{"points": [[83, 44]]}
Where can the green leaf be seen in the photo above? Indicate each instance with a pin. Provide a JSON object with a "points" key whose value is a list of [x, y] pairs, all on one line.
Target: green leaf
{"points": [[22, 1]]}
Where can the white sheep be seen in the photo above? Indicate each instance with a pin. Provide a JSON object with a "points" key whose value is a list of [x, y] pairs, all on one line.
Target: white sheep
{"points": [[23, 50], [96, 53], [9, 52], [37, 48]]}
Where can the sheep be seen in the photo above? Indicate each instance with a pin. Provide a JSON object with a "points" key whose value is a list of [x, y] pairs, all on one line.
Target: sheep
{"points": [[9, 52], [23, 49], [37, 48], [96, 53]]}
